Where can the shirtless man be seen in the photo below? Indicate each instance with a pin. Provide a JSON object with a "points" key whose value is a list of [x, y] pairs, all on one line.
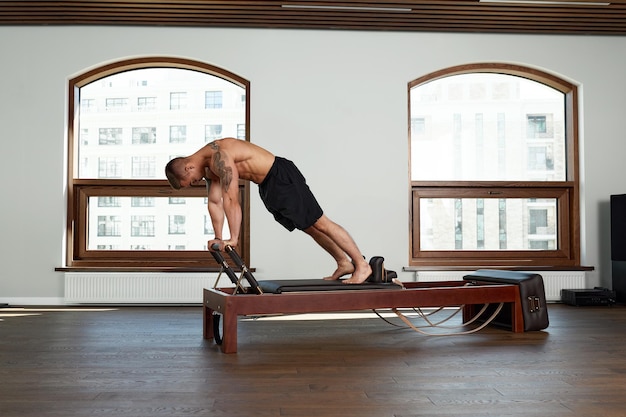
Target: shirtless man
{"points": [[283, 190]]}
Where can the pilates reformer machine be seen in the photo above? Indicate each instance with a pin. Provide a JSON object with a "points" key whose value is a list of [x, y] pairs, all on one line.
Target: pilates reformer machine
{"points": [[515, 300]]}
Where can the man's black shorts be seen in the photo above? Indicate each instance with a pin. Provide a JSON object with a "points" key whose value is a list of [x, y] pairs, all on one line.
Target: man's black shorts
{"points": [[287, 196]]}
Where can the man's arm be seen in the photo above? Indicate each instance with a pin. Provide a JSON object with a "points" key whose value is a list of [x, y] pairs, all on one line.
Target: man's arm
{"points": [[215, 206], [223, 166]]}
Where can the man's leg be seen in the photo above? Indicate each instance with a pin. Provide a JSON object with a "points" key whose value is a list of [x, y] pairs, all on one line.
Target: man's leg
{"points": [[344, 264], [338, 243]]}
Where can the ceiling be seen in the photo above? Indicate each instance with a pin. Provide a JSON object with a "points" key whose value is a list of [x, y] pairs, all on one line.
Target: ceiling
{"points": [[578, 17]]}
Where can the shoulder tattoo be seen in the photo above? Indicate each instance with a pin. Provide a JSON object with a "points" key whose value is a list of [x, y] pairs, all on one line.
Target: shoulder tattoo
{"points": [[224, 172]]}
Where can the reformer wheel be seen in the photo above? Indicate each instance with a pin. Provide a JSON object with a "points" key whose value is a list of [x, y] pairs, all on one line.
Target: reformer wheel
{"points": [[217, 336]]}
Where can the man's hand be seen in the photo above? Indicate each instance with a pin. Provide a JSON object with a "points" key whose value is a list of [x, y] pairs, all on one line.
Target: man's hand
{"points": [[216, 245], [220, 245]]}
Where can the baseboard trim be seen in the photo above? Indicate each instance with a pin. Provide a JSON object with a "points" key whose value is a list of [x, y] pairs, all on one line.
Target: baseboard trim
{"points": [[31, 301]]}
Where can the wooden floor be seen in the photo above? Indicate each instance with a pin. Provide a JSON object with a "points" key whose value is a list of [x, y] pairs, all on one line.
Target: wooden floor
{"points": [[150, 361]]}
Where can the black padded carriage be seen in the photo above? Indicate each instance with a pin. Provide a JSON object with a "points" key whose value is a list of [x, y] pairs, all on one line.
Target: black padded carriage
{"points": [[299, 285], [381, 278]]}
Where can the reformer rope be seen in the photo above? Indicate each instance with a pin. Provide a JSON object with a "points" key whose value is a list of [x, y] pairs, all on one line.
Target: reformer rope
{"points": [[424, 316], [218, 339]]}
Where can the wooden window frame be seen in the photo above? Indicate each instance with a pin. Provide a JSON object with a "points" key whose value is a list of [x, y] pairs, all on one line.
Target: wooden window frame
{"points": [[565, 192], [79, 190]]}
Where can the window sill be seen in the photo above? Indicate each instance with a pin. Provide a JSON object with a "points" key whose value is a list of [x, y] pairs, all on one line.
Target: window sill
{"points": [[509, 268], [145, 269]]}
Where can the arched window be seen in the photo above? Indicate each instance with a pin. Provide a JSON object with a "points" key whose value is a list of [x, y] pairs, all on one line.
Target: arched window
{"points": [[126, 121], [494, 168]]}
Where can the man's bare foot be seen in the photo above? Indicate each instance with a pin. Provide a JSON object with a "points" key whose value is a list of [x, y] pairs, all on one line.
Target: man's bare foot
{"points": [[343, 268], [361, 274]]}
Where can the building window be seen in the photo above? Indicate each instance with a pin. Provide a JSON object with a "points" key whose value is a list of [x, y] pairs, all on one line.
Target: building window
{"points": [[208, 226], [480, 223], [142, 226], [84, 137], [141, 201], [146, 103], [538, 221], [178, 134], [213, 100], [109, 226], [122, 210], [503, 189], [110, 167], [176, 225], [88, 105], [109, 202], [144, 135], [536, 125], [212, 132], [116, 104], [241, 131], [110, 136], [178, 101], [540, 158], [143, 167], [502, 221], [418, 126]]}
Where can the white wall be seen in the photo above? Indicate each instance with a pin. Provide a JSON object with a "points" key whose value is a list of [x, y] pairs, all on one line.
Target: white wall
{"points": [[333, 101]]}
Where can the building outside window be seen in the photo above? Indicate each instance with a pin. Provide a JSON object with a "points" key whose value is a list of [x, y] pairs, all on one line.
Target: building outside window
{"points": [[123, 211], [141, 201], [146, 103], [212, 132], [110, 167], [143, 167], [88, 105], [116, 104], [142, 226], [178, 100], [178, 134], [176, 225], [109, 202], [109, 226], [536, 125], [503, 189], [110, 136], [241, 131], [177, 200], [144, 135], [213, 100]]}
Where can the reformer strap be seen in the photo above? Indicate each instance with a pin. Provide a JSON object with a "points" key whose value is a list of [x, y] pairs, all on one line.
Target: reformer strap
{"points": [[430, 324]]}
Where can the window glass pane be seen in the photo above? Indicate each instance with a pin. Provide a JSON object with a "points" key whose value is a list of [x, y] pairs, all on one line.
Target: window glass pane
{"points": [[488, 224], [213, 100], [487, 127], [132, 123], [149, 223]]}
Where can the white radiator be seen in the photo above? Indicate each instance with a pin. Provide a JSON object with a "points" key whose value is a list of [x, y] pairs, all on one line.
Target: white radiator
{"points": [[137, 288], [187, 288], [553, 281]]}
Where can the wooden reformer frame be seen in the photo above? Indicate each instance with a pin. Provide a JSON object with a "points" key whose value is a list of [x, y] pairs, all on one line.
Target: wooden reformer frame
{"points": [[230, 303], [416, 294]]}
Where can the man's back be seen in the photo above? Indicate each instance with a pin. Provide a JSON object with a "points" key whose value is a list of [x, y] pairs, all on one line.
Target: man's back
{"points": [[253, 162]]}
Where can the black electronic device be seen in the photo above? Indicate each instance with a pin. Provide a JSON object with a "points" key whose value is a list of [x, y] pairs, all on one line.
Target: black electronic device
{"points": [[618, 246], [589, 297]]}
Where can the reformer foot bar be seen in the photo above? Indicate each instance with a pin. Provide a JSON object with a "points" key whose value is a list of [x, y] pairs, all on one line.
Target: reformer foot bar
{"points": [[230, 303]]}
